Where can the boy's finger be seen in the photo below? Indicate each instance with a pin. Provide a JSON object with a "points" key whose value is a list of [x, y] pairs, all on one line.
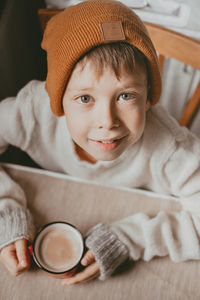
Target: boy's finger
{"points": [[8, 256], [88, 258], [9, 259], [22, 254], [89, 273]]}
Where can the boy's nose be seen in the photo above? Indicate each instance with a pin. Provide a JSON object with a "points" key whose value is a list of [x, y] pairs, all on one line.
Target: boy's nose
{"points": [[107, 118]]}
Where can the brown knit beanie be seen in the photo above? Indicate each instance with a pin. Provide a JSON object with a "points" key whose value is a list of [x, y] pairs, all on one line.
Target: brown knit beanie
{"points": [[79, 28]]}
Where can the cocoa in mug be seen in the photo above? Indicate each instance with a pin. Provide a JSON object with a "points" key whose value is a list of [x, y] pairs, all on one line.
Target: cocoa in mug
{"points": [[58, 248]]}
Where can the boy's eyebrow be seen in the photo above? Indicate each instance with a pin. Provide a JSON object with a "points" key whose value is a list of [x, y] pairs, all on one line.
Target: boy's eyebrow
{"points": [[80, 89], [138, 88], [133, 85], [128, 85]]}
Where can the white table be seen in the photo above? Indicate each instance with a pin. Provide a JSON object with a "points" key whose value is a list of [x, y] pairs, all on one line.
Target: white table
{"points": [[53, 197]]}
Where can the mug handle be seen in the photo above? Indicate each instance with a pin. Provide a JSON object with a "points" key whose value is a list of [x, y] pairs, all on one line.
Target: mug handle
{"points": [[30, 248]]}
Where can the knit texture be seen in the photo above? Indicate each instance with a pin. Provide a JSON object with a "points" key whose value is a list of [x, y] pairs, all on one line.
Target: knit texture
{"points": [[108, 250], [76, 30], [15, 223]]}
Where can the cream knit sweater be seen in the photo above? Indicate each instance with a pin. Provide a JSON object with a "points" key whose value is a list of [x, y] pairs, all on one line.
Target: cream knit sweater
{"points": [[165, 160]]}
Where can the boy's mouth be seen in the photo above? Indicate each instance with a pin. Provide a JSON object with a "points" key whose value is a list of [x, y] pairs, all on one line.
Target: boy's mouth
{"points": [[108, 142], [107, 145]]}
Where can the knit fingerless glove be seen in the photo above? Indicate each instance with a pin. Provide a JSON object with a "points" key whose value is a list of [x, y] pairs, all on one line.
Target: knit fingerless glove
{"points": [[15, 223], [108, 250]]}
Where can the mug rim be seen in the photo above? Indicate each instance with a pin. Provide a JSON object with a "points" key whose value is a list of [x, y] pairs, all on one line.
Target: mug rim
{"points": [[34, 242]]}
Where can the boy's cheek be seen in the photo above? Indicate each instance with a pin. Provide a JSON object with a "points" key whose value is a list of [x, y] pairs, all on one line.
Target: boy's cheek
{"points": [[76, 126]]}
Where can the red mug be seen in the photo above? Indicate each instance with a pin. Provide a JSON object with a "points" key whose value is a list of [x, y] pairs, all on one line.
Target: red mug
{"points": [[58, 248]]}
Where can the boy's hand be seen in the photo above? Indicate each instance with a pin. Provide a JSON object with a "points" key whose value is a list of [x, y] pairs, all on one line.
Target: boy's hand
{"points": [[90, 272], [15, 257]]}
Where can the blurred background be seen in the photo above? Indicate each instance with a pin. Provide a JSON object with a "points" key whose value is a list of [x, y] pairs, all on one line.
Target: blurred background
{"points": [[21, 57]]}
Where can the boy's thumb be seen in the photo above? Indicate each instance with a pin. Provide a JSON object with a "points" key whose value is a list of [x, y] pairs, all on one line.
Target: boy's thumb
{"points": [[88, 258], [22, 253]]}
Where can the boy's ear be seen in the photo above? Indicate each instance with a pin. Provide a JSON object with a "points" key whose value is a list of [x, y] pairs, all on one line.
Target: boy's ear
{"points": [[148, 105]]}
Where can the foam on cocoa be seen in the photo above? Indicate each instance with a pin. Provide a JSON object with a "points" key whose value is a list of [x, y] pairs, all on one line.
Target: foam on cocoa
{"points": [[59, 248]]}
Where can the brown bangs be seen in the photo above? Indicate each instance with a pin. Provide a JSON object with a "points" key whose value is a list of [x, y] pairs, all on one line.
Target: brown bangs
{"points": [[117, 56]]}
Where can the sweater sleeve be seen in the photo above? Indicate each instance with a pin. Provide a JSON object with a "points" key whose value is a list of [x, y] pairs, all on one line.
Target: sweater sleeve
{"points": [[16, 221], [107, 248], [140, 236], [18, 117], [176, 234]]}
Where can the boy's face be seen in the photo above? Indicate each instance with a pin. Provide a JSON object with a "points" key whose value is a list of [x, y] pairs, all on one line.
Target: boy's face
{"points": [[105, 115]]}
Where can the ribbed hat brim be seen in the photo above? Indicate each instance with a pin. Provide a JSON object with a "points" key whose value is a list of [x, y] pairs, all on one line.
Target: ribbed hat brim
{"points": [[76, 30]]}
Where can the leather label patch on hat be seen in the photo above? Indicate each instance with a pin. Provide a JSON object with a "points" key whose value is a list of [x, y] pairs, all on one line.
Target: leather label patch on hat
{"points": [[112, 31]]}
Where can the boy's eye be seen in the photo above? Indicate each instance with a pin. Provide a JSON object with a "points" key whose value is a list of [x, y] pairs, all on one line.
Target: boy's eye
{"points": [[126, 96], [84, 99]]}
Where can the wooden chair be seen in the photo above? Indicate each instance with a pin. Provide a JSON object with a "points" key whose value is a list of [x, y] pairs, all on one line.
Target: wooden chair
{"points": [[168, 43]]}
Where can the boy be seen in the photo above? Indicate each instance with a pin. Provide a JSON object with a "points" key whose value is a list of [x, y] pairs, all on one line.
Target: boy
{"points": [[103, 78]]}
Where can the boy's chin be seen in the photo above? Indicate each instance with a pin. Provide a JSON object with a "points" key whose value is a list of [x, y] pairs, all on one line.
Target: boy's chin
{"points": [[94, 159], [95, 156], [105, 156]]}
